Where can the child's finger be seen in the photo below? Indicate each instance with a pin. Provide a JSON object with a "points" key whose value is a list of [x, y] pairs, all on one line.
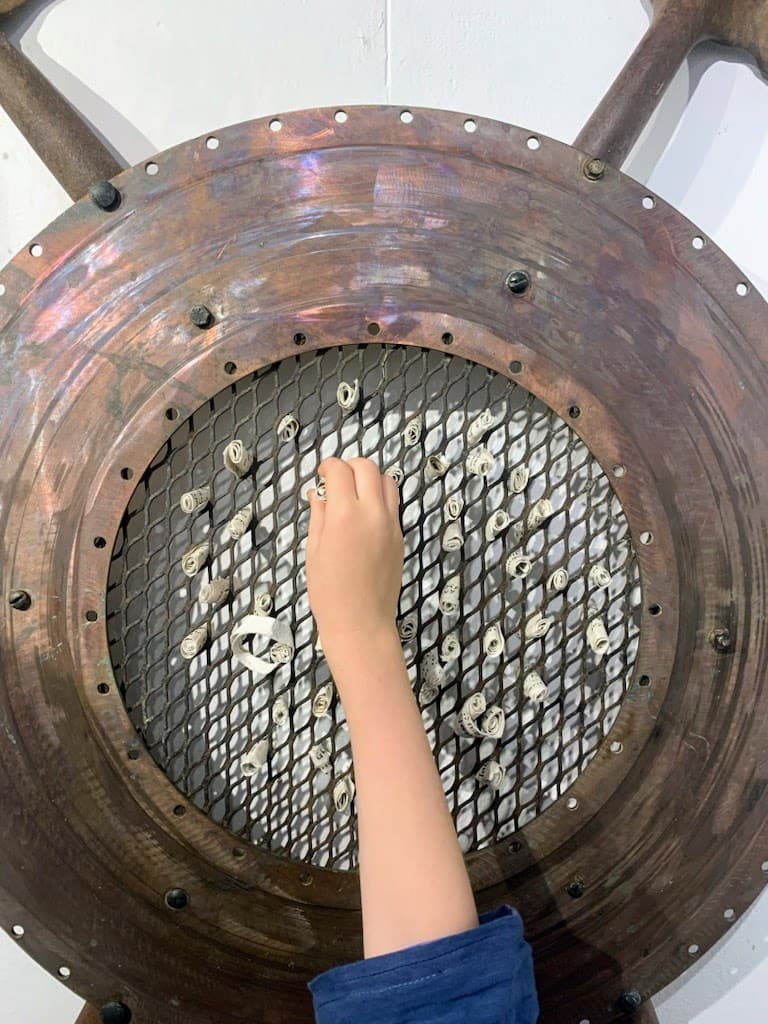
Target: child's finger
{"points": [[367, 481], [339, 482], [316, 517], [391, 495]]}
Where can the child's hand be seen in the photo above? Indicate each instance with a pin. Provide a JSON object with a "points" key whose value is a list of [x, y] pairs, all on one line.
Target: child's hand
{"points": [[354, 552]]}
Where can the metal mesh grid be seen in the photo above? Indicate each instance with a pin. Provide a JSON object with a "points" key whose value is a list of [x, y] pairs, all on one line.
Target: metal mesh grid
{"points": [[197, 719]]}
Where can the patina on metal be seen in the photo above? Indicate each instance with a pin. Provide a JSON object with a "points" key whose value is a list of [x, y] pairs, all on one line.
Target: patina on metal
{"points": [[652, 350]]}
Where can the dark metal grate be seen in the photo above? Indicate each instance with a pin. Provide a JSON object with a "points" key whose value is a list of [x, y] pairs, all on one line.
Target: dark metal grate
{"points": [[198, 718]]}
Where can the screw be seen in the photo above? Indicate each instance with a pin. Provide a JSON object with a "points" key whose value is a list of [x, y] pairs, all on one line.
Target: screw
{"points": [[305, 878], [576, 889], [594, 168], [630, 1001], [20, 600], [176, 899], [201, 316], [518, 281], [104, 195], [115, 1013], [721, 639]]}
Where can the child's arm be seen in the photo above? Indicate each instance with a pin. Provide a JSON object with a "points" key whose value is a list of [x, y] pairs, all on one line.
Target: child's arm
{"points": [[414, 885]]}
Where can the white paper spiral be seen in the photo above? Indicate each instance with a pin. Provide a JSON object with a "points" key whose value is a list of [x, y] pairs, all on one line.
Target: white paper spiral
{"points": [[453, 538], [497, 523], [599, 576], [540, 513], [194, 642], [321, 702], [287, 428], [214, 591], [240, 521], [237, 458], [348, 395], [255, 758], [493, 641], [262, 602], [597, 636], [262, 626], [320, 755], [465, 723], [194, 559], [193, 500], [435, 467], [518, 481], [412, 432], [396, 472], [537, 626], [343, 792], [534, 687], [279, 711], [491, 773], [480, 462], [408, 625], [454, 507], [448, 601], [479, 427], [450, 649], [558, 580], [518, 564]]}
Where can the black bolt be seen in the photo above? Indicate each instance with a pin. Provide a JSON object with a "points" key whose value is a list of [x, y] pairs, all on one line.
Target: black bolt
{"points": [[201, 316], [176, 899], [518, 281], [115, 1013], [594, 169], [576, 889], [630, 1001], [104, 195], [20, 600], [721, 639]]}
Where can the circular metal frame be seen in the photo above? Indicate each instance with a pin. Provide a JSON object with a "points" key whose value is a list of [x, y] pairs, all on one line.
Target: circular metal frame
{"points": [[312, 224]]}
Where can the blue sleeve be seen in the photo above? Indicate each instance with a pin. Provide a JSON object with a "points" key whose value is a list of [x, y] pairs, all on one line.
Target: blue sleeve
{"points": [[483, 975]]}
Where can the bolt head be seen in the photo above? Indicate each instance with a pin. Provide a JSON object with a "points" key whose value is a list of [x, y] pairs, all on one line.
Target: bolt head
{"points": [[201, 316], [721, 639], [518, 281], [630, 1000], [576, 889], [176, 899], [115, 1013], [104, 195], [594, 169], [20, 600]]}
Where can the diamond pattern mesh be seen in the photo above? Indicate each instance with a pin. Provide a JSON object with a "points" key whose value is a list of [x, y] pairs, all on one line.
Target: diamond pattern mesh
{"points": [[198, 718]]}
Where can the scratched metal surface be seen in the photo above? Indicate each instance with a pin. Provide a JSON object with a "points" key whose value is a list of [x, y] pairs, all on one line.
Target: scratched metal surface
{"points": [[325, 228]]}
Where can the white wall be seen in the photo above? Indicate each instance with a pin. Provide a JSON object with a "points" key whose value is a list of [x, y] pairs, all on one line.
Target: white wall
{"points": [[152, 73]]}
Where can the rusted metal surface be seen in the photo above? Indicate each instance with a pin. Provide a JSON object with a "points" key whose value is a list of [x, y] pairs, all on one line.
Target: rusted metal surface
{"points": [[319, 228], [67, 145], [676, 26]]}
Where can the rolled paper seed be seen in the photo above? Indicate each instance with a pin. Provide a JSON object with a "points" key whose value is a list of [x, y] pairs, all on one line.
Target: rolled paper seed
{"points": [[492, 773], [348, 395], [413, 429], [537, 626], [597, 636], [492, 722], [431, 671], [465, 723], [408, 625], [193, 500], [480, 462], [396, 472], [240, 521], [237, 458], [479, 427], [518, 564], [287, 428], [194, 642], [322, 701], [214, 591], [493, 641], [262, 602], [454, 506], [279, 711], [519, 479], [193, 561], [497, 524], [450, 648], [320, 755], [262, 626], [435, 467], [255, 758], [599, 576], [540, 513], [343, 792], [281, 654], [558, 580], [427, 693], [534, 687], [448, 601], [320, 489], [452, 537]]}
